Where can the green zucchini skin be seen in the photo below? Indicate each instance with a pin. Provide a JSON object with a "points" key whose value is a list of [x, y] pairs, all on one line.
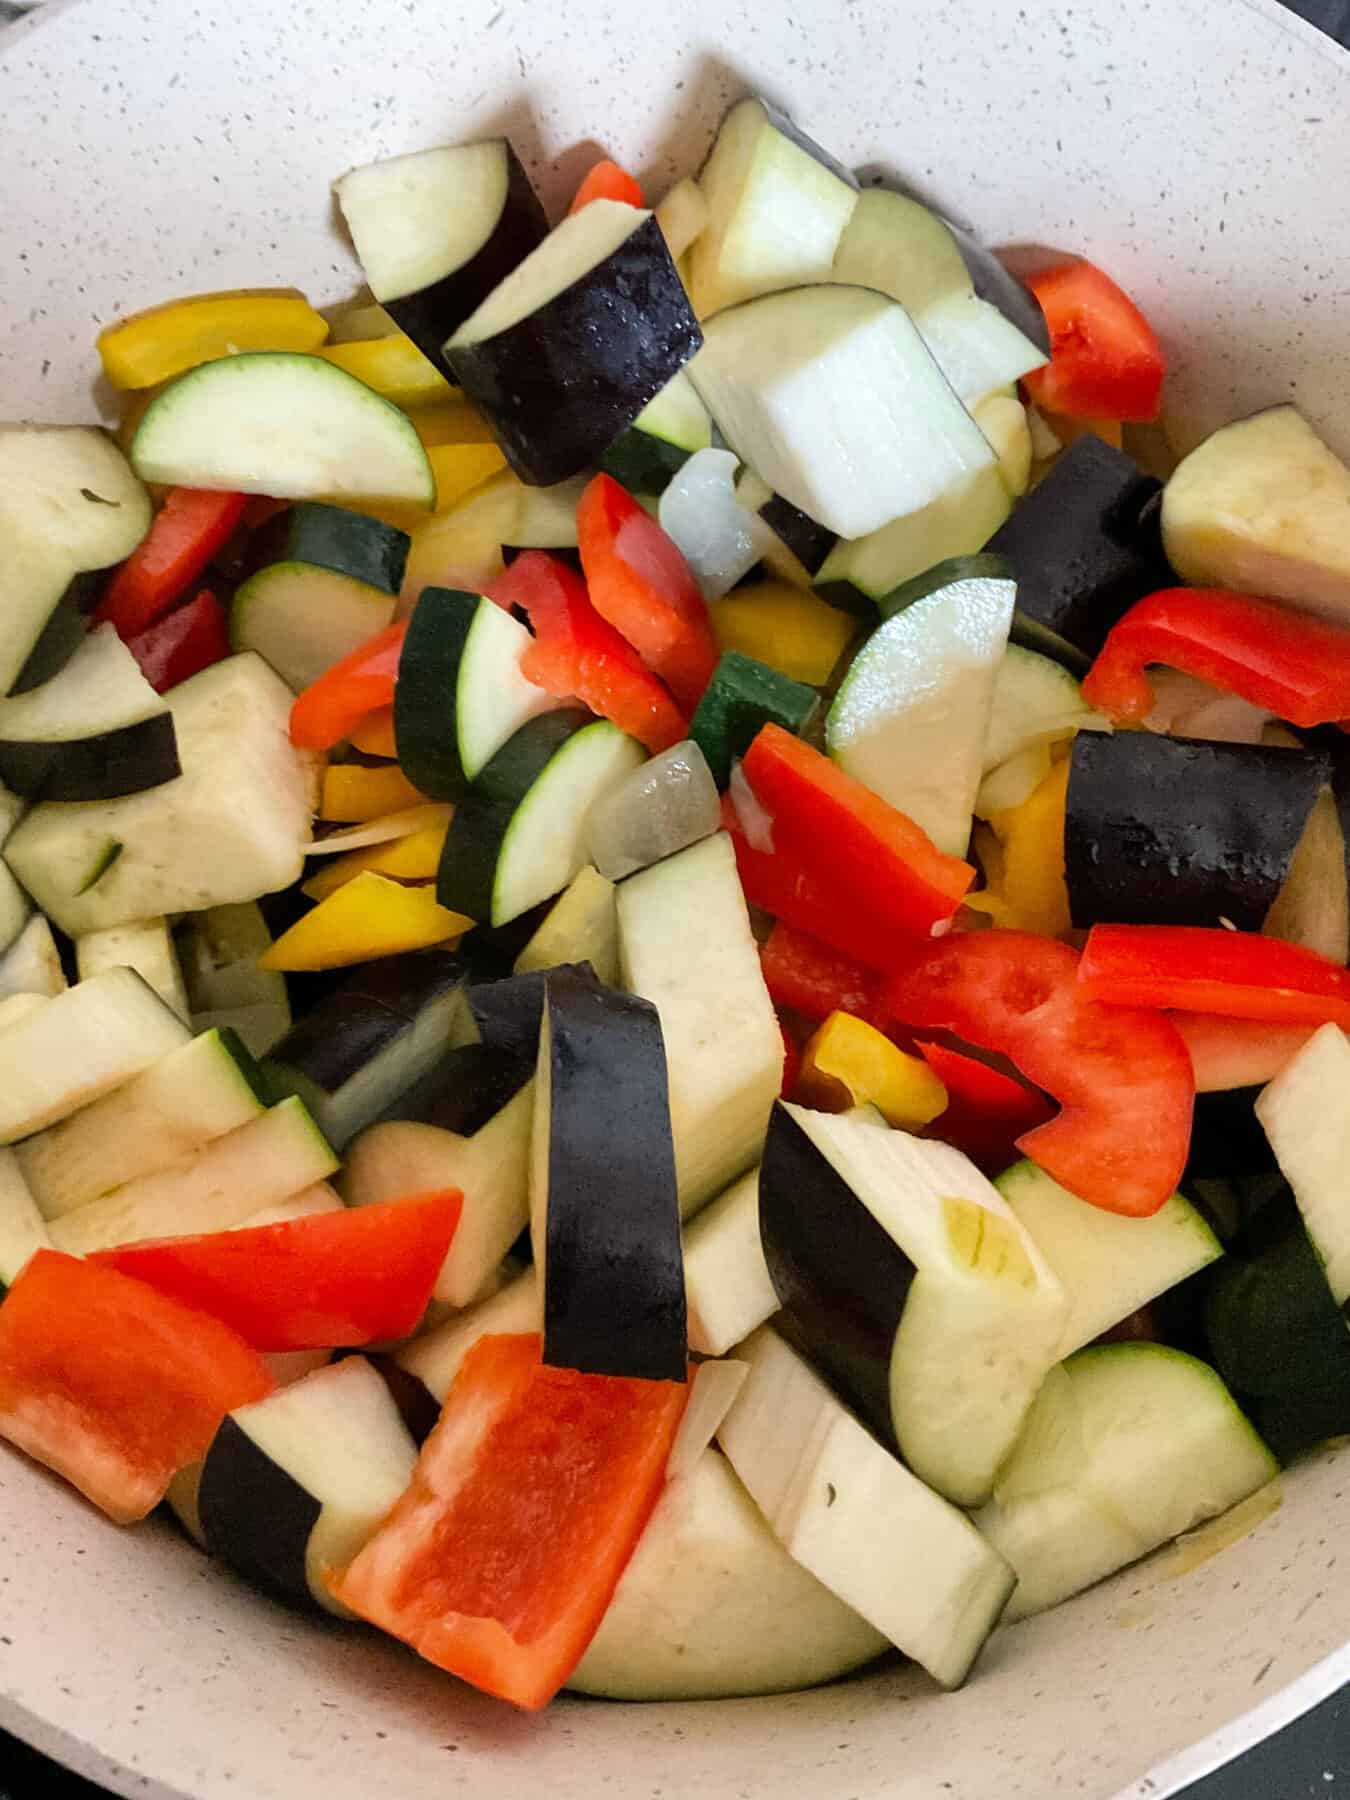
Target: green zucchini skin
{"points": [[467, 875], [334, 537]]}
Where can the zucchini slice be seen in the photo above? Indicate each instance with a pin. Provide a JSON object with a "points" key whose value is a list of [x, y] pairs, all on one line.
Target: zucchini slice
{"points": [[861, 574], [911, 716], [519, 834], [1128, 1445], [1108, 1266], [192, 1095], [276, 422], [147, 947], [574, 343], [76, 1047], [437, 231], [333, 537], [741, 697], [460, 692], [215, 1188], [302, 619], [96, 731], [809, 385]]}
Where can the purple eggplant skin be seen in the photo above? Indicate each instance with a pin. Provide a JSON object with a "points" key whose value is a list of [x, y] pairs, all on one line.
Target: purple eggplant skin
{"points": [[997, 284], [256, 1518], [372, 1008], [65, 630], [841, 1280], [463, 1091], [127, 760], [508, 1013], [614, 1300], [434, 313], [1084, 546], [560, 385], [1177, 831]]}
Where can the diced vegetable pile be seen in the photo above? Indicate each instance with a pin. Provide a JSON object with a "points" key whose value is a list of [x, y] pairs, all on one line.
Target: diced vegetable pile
{"points": [[674, 993]]}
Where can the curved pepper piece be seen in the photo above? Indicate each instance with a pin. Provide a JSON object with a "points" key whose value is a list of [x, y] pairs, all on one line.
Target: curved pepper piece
{"points": [[851, 839], [164, 341], [639, 581], [1194, 968], [1025, 888], [987, 1111], [850, 1063], [1294, 666], [807, 975], [1122, 1077], [1105, 359], [362, 683], [605, 180], [576, 652]]}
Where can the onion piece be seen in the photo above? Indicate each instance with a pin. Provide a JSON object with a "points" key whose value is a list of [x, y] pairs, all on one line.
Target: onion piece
{"points": [[380, 831], [718, 538], [665, 805]]}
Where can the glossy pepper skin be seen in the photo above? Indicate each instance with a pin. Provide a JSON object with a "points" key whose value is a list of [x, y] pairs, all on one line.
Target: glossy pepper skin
{"points": [[809, 977], [578, 653], [1295, 667], [641, 584], [362, 683], [191, 527], [1105, 358], [1122, 1076], [1192, 968], [525, 1506], [359, 1276]]}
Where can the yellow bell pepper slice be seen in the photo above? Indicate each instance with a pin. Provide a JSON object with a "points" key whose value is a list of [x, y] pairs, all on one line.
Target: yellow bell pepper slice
{"points": [[460, 468], [374, 736], [354, 794], [164, 341], [453, 420], [848, 1062], [413, 858], [367, 917], [787, 628], [394, 367], [1025, 887]]}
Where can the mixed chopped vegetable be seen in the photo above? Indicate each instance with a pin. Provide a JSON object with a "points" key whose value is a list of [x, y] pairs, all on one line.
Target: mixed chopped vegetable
{"points": [[673, 952]]}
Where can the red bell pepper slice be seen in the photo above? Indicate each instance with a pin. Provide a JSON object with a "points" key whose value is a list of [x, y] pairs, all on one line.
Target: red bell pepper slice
{"points": [[987, 1111], [845, 834], [605, 180], [639, 581], [339, 1279], [577, 652], [1237, 1053], [528, 1500], [1294, 666], [1105, 360], [183, 642], [112, 1385], [1196, 968], [810, 977], [188, 530], [778, 883], [1122, 1078], [362, 683]]}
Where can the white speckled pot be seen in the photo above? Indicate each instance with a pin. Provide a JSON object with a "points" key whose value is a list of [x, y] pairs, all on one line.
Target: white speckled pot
{"points": [[1198, 148]]}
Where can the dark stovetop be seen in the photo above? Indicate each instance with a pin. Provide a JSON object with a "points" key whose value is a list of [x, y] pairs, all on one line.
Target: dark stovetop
{"points": [[1309, 1760]]}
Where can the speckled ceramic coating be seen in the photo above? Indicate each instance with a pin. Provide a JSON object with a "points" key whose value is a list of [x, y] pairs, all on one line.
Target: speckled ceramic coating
{"points": [[1199, 148]]}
